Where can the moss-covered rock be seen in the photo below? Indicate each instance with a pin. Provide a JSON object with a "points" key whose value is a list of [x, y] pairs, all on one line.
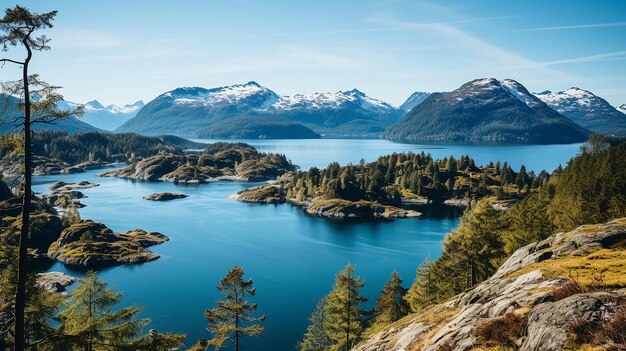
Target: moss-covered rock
{"points": [[93, 245]]}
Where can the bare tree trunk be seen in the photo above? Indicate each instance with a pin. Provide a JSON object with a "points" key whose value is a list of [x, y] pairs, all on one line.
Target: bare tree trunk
{"points": [[20, 295]]}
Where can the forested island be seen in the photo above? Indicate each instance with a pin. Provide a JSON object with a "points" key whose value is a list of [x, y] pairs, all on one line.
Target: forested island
{"points": [[380, 188]]}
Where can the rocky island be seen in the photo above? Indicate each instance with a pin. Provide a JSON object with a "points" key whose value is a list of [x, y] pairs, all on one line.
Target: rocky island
{"points": [[164, 196], [93, 245], [219, 161]]}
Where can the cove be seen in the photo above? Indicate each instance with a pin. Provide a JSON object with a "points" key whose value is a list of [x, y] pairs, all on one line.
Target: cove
{"points": [[291, 256]]}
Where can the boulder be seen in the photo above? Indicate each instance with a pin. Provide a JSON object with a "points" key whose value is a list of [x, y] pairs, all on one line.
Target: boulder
{"points": [[56, 282]]}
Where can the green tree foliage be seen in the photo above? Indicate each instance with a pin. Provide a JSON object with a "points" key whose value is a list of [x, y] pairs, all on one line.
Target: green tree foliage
{"points": [[42, 308], [343, 310], [89, 322], [591, 189], [424, 290], [409, 174], [390, 305], [317, 336], [71, 216], [234, 317]]}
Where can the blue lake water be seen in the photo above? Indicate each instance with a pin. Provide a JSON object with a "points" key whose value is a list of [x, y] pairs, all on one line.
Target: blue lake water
{"points": [[291, 256]]}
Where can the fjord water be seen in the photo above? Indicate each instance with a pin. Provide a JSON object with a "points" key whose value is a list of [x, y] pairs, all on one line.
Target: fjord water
{"points": [[292, 257]]}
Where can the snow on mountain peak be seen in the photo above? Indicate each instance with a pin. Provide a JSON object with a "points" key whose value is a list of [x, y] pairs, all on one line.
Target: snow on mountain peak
{"points": [[318, 101], [520, 92], [223, 95], [568, 99]]}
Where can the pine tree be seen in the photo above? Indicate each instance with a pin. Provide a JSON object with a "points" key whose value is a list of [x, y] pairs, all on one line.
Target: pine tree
{"points": [[343, 310], [391, 305], [234, 317], [316, 337], [71, 216], [422, 292], [89, 323]]}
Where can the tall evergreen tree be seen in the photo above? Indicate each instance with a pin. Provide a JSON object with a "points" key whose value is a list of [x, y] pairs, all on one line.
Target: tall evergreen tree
{"points": [[391, 305], [89, 323], [234, 317], [343, 309], [316, 337]]}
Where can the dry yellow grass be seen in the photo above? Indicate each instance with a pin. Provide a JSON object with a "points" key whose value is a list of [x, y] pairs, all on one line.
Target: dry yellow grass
{"points": [[609, 264]]}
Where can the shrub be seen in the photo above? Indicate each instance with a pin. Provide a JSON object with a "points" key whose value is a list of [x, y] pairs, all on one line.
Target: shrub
{"points": [[572, 287], [505, 330]]}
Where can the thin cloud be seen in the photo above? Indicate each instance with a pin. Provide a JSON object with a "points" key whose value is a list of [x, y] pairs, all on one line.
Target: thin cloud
{"points": [[580, 26], [610, 56]]}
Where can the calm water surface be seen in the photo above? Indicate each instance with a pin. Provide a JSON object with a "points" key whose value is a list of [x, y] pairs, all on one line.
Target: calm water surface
{"points": [[292, 257]]}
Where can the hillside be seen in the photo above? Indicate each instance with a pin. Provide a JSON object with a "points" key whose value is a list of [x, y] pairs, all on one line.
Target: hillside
{"points": [[198, 111], [531, 302], [255, 127], [485, 110], [587, 110]]}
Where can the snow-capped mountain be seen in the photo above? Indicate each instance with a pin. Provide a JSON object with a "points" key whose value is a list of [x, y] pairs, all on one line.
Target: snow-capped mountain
{"points": [[622, 108], [109, 117], [587, 110], [187, 111], [486, 110], [415, 99]]}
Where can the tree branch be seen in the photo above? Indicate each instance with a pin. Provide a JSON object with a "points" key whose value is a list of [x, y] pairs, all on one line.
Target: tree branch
{"points": [[12, 61]]}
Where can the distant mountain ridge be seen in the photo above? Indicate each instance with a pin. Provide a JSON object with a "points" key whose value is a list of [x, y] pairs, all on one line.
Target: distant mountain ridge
{"points": [[107, 117], [71, 125], [587, 110], [348, 113], [485, 110]]}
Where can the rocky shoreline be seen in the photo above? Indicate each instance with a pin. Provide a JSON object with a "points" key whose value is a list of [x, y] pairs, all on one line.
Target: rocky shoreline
{"points": [[331, 208]]}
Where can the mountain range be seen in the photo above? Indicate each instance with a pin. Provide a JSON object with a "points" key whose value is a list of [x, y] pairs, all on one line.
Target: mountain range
{"points": [[485, 110], [481, 110], [344, 113], [105, 117], [587, 110]]}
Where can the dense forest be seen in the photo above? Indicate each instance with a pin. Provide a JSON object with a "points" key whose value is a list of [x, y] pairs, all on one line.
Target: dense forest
{"points": [[413, 176], [96, 146]]}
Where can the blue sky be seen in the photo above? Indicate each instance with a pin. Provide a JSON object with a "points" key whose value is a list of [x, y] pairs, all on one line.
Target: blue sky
{"points": [[121, 51]]}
